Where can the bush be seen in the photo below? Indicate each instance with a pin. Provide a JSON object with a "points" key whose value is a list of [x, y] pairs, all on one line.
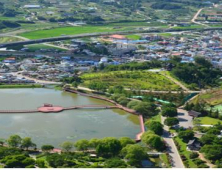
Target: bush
{"points": [[194, 155]]}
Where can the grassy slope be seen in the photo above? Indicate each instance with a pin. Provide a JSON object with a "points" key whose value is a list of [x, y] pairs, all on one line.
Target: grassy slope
{"points": [[42, 46], [8, 39], [213, 97], [131, 79]]}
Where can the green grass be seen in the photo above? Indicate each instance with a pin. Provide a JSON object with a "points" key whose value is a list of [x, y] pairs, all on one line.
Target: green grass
{"points": [[183, 151], [138, 80], [8, 86], [71, 31], [133, 37], [189, 27], [208, 120], [36, 47], [165, 160], [8, 39], [165, 34], [156, 118]]}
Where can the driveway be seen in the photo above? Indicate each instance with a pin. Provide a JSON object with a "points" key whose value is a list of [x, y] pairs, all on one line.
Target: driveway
{"points": [[185, 120]]}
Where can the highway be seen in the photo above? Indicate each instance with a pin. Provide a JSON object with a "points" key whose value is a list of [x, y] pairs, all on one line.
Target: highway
{"points": [[61, 38]]}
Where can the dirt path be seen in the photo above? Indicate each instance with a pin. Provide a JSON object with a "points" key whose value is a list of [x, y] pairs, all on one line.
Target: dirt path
{"points": [[201, 156], [175, 81], [196, 16]]}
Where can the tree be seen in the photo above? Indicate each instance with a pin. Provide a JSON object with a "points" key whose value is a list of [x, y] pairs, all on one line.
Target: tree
{"points": [[27, 142], [146, 109], [17, 161], [14, 141], [171, 121], [134, 154], [203, 62], [115, 163], [67, 146], [126, 141], [186, 135], [47, 148], [94, 142], [153, 141], [41, 163], [208, 139], [212, 152], [169, 111], [123, 101], [109, 147], [155, 126], [82, 144], [132, 104]]}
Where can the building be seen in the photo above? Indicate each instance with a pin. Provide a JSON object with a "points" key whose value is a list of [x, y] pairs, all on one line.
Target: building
{"points": [[32, 6], [193, 145], [194, 113]]}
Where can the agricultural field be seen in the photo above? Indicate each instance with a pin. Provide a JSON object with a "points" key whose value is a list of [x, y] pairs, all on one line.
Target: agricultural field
{"points": [[71, 31], [142, 80]]}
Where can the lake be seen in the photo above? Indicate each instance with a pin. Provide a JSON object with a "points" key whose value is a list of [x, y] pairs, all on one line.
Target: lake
{"points": [[55, 128]]}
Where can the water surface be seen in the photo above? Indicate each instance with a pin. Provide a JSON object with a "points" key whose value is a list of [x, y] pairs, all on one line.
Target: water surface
{"points": [[54, 128]]}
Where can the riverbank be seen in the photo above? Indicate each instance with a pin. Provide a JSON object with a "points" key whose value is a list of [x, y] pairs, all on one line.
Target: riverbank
{"points": [[14, 86]]}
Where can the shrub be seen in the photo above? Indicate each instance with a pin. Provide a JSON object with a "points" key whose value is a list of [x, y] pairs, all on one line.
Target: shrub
{"points": [[194, 155]]}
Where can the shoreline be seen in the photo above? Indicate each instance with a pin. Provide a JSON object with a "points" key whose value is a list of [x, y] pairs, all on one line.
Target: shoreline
{"points": [[131, 111]]}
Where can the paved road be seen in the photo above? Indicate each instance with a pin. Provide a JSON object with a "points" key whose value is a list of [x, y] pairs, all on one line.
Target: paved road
{"points": [[185, 120], [36, 80], [172, 149]]}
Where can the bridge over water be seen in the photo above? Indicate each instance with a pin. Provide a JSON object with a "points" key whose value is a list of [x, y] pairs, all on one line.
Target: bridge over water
{"points": [[56, 109]]}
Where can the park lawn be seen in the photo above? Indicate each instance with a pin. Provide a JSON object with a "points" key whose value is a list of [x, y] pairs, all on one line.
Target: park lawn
{"points": [[165, 160], [133, 37], [135, 80], [56, 32], [208, 121], [183, 151]]}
